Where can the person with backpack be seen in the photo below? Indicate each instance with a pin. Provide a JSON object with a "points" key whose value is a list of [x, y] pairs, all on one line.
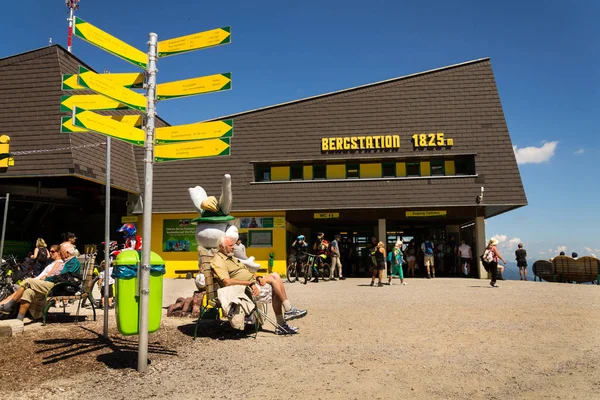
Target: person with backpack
{"points": [[428, 260], [41, 256], [490, 259]]}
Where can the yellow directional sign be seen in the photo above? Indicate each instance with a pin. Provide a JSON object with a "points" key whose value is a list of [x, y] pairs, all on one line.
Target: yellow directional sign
{"points": [[107, 42], [107, 126], [190, 150], [105, 86], [67, 126], [197, 131], [194, 86], [90, 102], [196, 41], [128, 80]]}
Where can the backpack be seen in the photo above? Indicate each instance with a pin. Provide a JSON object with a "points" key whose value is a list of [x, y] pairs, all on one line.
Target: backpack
{"points": [[487, 257], [428, 248], [42, 254]]}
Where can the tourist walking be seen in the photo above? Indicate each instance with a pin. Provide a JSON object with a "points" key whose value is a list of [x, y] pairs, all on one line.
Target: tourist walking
{"points": [[494, 255], [428, 260], [379, 264], [465, 254], [396, 263], [335, 258], [521, 256]]}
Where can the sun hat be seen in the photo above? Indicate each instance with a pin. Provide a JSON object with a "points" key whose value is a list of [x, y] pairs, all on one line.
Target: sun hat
{"points": [[493, 242]]}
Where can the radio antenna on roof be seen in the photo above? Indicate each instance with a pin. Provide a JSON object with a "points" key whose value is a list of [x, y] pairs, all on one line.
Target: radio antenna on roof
{"points": [[72, 5]]}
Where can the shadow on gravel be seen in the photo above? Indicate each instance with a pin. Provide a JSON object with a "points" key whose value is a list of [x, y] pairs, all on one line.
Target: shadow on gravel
{"points": [[123, 352], [214, 329]]}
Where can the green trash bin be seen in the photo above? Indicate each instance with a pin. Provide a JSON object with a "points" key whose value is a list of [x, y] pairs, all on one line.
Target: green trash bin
{"points": [[127, 302]]}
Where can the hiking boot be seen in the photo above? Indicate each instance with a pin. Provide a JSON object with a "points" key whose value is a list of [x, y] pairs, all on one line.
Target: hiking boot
{"points": [[372, 284], [315, 280], [342, 278], [4, 310], [332, 279], [286, 330], [380, 284], [294, 313]]}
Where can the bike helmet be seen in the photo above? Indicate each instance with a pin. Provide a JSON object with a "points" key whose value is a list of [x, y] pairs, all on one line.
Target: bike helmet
{"points": [[112, 246], [300, 237], [128, 230]]}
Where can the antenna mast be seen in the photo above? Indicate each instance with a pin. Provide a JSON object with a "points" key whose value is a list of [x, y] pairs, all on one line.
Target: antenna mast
{"points": [[72, 5]]}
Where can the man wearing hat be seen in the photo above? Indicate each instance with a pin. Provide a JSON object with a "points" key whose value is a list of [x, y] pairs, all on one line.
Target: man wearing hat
{"points": [[335, 258]]}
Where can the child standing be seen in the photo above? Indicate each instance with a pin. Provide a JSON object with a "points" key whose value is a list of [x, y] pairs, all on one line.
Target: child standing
{"points": [[111, 282]]}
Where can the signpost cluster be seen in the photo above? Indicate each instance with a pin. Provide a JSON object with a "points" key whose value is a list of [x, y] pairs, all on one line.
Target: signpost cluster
{"points": [[116, 92]]}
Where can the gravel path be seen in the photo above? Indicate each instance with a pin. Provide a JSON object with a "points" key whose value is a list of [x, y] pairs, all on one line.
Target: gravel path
{"points": [[432, 339]]}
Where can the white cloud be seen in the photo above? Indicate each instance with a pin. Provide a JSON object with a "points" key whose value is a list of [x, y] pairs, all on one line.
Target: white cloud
{"points": [[505, 243], [535, 155], [580, 151], [588, 249], [542, 252]]}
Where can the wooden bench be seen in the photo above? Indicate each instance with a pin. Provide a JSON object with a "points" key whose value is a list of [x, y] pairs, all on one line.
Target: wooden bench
{"points": [[567, 269]]}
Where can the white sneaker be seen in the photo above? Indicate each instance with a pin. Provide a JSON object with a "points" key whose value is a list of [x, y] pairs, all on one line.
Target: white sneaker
{"points": [[404, 283]]}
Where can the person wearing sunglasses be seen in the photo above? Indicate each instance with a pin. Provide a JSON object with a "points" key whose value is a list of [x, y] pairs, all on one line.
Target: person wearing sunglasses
{"points": [[55, 267], [34, 289]]}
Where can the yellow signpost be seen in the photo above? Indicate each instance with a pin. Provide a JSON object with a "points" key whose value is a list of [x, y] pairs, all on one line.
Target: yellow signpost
{"points": [[196, 41], [189, 150], [193, 86], [90, 102], [108, 42], [107, 126], [67, 126], [105, 86], [197, 131], [128, 80]]}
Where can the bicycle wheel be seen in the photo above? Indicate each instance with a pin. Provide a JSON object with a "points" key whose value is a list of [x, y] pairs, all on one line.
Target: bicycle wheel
{"points": [[325, 271], [307, 273], [94, 282], [292, 272]]}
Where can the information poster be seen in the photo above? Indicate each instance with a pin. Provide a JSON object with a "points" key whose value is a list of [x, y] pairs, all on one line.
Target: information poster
{"points": [[178, 235]]}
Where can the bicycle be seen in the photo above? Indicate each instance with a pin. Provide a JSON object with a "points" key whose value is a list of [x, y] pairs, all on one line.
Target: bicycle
{"points": [[295, 268], [316, 265]]}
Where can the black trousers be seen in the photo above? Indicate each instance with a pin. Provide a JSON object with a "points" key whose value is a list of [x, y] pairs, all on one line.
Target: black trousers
{"points": [[494, 270]]}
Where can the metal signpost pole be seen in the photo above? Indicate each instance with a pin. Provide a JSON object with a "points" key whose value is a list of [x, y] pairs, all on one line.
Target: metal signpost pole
{"points": [[106, 239], [4, 226], [144, 279]]}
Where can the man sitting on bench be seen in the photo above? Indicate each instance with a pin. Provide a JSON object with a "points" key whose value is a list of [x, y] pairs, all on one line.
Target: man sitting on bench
{"points": [[231, 271], [34, 289]]}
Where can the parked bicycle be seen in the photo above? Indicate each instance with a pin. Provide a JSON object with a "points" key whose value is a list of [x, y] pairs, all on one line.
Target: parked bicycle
{"points": [[316, 267], [295, 268], [11, 274]]}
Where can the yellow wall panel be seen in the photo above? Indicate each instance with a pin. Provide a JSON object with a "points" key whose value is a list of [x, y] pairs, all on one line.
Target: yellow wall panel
{"points": [[336, 171], [372, 170], [308, 173], [425, 168], [400, 169], [280, 173], [449, 167], [179, 260]]}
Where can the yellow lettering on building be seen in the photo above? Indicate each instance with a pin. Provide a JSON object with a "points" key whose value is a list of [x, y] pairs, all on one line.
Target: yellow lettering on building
{"points": [[350, 143], [346, 143]]}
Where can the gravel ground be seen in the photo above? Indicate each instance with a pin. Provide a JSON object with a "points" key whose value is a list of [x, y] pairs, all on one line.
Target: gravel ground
{"points": [[432, 339]]}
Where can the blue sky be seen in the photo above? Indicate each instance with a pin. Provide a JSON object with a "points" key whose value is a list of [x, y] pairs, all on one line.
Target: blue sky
{"points": [[545, 56]]}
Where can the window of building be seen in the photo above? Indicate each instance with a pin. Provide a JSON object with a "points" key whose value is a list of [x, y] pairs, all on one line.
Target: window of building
{"points": [[352, 170], [413, 169], [388, 169], [296, 172], [319, 171], [263, 173], [260, 238], [437, 168], [464, 166]]}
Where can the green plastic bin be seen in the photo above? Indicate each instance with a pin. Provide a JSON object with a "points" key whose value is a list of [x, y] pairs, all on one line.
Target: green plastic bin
{"points": [[127, 301]]}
